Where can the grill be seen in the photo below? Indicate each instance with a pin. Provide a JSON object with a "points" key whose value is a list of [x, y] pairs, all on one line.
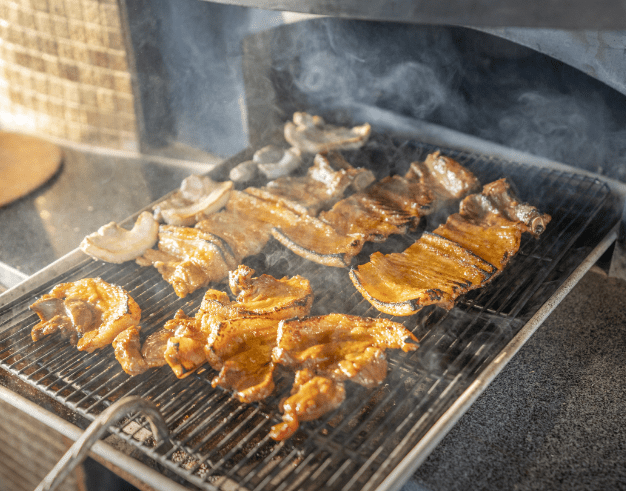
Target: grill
{"points": [[217, 442]]}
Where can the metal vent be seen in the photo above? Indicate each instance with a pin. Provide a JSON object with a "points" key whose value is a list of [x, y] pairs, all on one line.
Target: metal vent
{"points": [[219, 443]]}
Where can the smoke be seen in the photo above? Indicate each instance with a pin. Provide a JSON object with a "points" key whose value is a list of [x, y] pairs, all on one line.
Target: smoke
{"points": [[457, 78]]}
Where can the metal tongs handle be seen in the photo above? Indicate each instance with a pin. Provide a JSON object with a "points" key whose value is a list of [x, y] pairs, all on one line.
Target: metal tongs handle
{"points": [[78, 451]]}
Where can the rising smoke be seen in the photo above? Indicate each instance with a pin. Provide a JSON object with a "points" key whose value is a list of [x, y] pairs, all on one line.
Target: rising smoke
{"points": [[455, 78]]}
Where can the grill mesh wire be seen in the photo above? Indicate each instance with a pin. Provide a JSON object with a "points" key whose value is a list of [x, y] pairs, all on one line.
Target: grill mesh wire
{"points": [[218, 443]]}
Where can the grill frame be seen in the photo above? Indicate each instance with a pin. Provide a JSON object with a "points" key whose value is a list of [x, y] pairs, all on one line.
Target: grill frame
{"points": [[392, 474]]}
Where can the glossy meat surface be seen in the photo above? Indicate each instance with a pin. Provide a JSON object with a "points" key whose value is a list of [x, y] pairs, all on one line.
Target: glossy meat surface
{"points": [[189, 258], [261, 296], [90, 311], [311, 397], [342, 347], [467, 251]]}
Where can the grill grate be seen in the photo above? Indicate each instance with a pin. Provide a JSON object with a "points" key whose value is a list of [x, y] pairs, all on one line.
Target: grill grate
{"points": [[218, 443]]}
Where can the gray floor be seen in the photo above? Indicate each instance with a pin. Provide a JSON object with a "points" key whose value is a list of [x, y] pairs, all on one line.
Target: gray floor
{"points": [[555, 418]]}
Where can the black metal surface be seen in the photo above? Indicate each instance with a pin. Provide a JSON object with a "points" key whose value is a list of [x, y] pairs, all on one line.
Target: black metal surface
{"points": [[219, 443]]}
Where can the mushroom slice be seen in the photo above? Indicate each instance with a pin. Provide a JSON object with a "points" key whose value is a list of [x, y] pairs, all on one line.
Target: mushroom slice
{"points": [[90, 309], [185, 212], [114, 244], [275, 162], [311, 134]]}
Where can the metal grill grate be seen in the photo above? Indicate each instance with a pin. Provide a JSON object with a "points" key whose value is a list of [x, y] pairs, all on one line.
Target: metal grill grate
{"points": [[218, 443]]}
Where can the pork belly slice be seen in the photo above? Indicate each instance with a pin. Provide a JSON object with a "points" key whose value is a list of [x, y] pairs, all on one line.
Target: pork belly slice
{"points": [[390, 206], [312, 134], [189, 258], [470, 249], [432, 271], [319, 189], [446, 177], [305, 235], [311, 397], [244, 235], [90, 311], [498, 198]]}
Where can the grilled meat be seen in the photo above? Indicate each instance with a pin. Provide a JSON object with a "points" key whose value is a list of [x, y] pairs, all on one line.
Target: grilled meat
{"points": [[127, 346], [223, 331], [303, 234], [244, 235], [497, 198], [240, 349], [189, 258], [387, 207], [262, 296], [342, 347], [311, 397], [326, 351], [90, 311], [433, 270], [184, 352], [312, 134], [153, 348], [466, 252], [444, 176], [318, 189]]}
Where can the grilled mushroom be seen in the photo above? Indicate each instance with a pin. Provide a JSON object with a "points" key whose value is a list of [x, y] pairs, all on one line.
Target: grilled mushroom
{"points": [[312, 134], [114, 244]]}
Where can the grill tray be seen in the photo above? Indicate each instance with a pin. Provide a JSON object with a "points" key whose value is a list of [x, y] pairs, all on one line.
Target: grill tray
{"points": [[218, 443]]}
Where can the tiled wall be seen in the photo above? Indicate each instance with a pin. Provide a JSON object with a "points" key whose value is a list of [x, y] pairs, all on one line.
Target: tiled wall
{"points": [[64, 72]]}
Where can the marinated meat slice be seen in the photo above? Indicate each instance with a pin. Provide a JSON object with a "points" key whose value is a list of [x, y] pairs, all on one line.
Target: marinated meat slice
{"points": [[127, 347], [90, 311], [240, 349], [249, 374], [262, 296], [447, 178], [434, 270], [303, 234], [319, 242], [230, 337], [470, 249], [311, 134], [496, 240], [223, 330], [245, 236], [185, 348], [342, 347], [360, 178], [320, 188], [311, 397], [497, 198], [153, 348], [136, 358], [387, 207], [189, 258]]}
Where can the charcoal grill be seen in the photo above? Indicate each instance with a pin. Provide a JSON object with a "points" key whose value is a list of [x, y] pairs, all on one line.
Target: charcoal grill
{"points": [[378, 436]]}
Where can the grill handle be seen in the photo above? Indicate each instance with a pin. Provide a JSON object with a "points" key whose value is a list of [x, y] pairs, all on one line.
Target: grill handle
{"points": [[78, 451]]}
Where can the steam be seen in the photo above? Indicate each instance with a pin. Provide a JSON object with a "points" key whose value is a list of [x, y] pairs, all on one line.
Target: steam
{"points": [[340, 69]]}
